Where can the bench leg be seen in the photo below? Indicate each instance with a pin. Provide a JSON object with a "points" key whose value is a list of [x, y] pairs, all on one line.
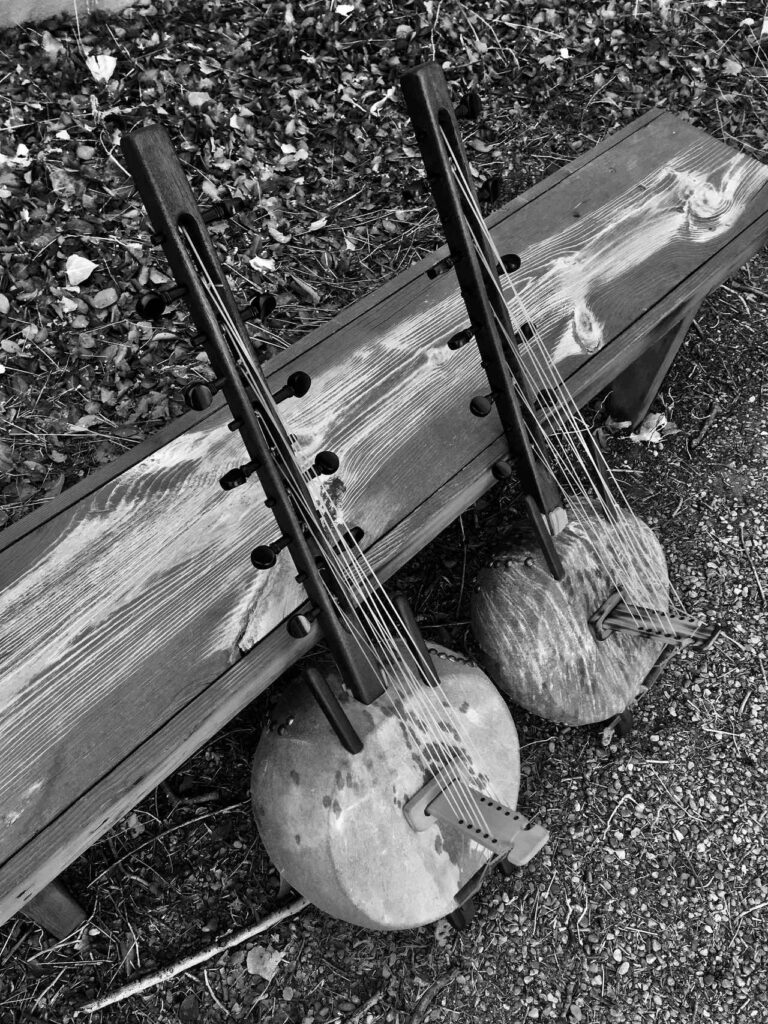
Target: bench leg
{"points": [[55, 910], [636, 387]]}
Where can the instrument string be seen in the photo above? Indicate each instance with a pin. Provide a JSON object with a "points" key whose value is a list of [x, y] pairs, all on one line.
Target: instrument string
{"points": [[384, 636], [567, 414]]}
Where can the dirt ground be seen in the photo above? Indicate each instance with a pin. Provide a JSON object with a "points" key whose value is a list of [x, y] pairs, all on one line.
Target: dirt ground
{"points": [[650, 902]]}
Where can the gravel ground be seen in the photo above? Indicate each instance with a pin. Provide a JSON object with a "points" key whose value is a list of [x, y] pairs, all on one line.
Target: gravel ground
{"points": [[650, 902]]}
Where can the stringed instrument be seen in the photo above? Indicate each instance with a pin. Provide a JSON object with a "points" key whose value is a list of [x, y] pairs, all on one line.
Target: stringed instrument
{"points": [[387, 783], [573, 618]]}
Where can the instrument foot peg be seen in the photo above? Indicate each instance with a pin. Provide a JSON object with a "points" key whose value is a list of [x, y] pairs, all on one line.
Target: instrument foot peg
{"points": [[461, 918]]}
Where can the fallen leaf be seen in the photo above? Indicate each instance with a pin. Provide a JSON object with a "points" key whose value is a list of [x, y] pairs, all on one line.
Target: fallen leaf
{"points": [[79, 269], [6, 458], [189, 1011], [650, 430], [317, 225], [51, 46], [62, 182], [5, 305], [262, 265], [278, 235], [84, 423], [305, 290], [197, 99], [102, 66], [263, 961], [105, 298]]}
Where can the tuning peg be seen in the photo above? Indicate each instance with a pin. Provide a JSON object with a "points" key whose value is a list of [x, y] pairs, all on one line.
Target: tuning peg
{"points": [[264, 305], [461, 339], [237, 476], [470, 106], [220, 211], [300, 625], [199, 394], [265, 556], [325, 464], [509, 263], [297, 386], [152, 305], [481, 405]]}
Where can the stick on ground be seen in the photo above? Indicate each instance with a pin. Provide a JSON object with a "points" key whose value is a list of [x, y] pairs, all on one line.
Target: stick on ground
{"points": [[172, 970]]}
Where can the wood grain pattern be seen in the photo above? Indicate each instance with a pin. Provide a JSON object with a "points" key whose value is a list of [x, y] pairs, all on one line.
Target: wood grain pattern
{"points": [[128, 607]]}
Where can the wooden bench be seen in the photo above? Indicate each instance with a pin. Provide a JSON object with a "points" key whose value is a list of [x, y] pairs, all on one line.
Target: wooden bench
{"points": [[130, 601]]}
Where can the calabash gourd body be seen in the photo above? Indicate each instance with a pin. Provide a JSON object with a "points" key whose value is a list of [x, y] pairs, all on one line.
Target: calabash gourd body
{"points": [[333, 822], [534, 631]]}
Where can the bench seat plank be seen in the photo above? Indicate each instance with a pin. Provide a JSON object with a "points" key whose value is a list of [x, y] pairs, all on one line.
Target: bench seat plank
{"points": [[129, 604]]}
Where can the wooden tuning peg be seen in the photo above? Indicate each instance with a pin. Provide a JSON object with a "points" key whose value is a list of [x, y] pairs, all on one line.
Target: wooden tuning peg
{"points": [[265, 556], [325, 464], [237, 476], [152, 305], [481, 405], [297, 385], [199, 395], [220, 211]]}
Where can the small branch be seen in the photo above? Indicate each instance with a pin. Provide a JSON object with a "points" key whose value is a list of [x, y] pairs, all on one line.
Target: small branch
{"points": [[172, 970], [752, 564], [748, 289], [709, 419], [368, 1005], [430, 995]]}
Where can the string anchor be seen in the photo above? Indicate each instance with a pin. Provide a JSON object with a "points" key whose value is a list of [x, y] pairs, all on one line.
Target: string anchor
{"points": [[325, 464], [152, 305], [615, 615], [446, 798], [297, 385], [199, 395], [265, 556], [237, 476]]}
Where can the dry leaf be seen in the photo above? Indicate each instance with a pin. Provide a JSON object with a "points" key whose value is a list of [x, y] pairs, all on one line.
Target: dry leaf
{"points": [[305, 290], [79, 269], [316, 225], [263, 961], [4, 304], [264, 266], [651, 430], [102, 66], [106, 297], [197, 99]]}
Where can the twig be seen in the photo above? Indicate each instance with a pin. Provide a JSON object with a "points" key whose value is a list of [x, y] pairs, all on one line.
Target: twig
{"points": [[359, 1014], [213, 995], [748, 289], [188, 962], [429, 996], [714, 409], [752, 564]]}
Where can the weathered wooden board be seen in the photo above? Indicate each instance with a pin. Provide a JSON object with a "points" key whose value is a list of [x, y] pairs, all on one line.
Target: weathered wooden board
{"points": [[128, 606]]}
